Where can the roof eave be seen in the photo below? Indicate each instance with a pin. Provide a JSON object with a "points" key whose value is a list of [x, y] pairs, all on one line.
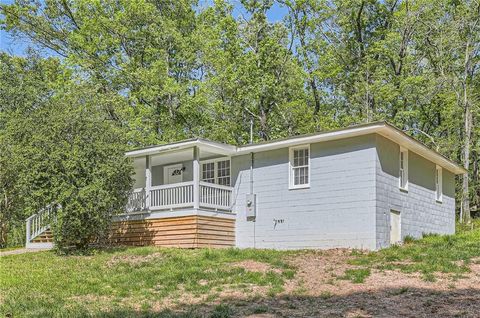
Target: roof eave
{"points": [[398, 136], [222, 149], [382, 128], [327, 136]]}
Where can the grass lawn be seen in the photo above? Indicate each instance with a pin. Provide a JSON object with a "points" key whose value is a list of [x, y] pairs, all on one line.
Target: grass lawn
{"points": [[147, 281], [433, 254], [118, 281]]}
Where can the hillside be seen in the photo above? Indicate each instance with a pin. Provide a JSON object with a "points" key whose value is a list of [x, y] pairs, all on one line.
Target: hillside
{"points": [[434, 276]]}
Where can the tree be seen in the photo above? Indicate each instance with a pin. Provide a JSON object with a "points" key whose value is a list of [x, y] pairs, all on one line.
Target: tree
{"points": [[173, 69], [251, 75], [61, 148], [453, 49], [27, 83]]}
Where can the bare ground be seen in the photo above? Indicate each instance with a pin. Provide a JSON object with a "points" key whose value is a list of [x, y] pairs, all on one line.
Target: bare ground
{"points": [[22, 251], [316, 291]]}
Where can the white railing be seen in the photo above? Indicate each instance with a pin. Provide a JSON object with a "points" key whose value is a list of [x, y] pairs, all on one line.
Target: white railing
{"points": [[171, 196], [215, 196], [137, 200], [40, 222], [180, 195]]}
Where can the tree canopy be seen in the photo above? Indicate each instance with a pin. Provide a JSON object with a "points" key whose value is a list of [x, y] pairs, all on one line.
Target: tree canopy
{"points": [[57, 146], [164, 70]]}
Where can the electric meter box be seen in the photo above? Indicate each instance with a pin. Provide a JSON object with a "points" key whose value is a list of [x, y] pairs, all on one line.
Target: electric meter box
{"points": [[251, 205]]}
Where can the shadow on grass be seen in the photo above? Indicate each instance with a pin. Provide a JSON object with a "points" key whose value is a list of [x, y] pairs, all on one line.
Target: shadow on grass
{"points": [[400, 302]]}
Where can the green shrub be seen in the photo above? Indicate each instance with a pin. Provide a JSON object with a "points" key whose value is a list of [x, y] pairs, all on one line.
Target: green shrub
{"points": [[66, 152]]}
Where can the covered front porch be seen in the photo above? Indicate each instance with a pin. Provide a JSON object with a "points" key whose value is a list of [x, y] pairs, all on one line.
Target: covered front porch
{"points": [[194, 174]]}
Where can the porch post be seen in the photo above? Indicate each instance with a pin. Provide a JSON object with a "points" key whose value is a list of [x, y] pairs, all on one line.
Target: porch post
{"points": [[28, 225], [148, 181], [196, 177]]}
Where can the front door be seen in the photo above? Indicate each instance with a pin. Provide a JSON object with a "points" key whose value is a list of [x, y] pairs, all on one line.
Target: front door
{"points": [[173, 174], [395, 236]]}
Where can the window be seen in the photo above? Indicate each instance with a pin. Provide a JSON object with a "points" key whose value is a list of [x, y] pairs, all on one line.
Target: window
{"points": [[223, 172], [438, 184], [208, 172], [216, 171], [403, 173], [299, 167]]}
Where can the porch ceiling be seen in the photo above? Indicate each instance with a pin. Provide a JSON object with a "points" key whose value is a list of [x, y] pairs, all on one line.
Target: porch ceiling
{"points": [[207, 148], [168, 157]]}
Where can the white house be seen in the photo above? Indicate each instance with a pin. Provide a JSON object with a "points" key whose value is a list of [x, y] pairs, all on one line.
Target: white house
{"points": [[366, 186]]}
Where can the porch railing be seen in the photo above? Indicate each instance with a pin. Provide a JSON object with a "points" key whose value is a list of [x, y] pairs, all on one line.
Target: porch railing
{"points": [[136, 200], [215, 196], [171, 196], [181, 195], [38, 223]]}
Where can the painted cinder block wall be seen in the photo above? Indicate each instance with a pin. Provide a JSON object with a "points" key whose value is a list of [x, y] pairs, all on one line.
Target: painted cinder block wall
{"points": [[338, 210], [354, 186], [420, 213]]}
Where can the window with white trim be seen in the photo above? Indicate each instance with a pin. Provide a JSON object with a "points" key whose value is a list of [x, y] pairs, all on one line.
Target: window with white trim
{"points": [[216, 171], [299, 167], [223, 172], [438, 184], [403, 167], [208, 172]]}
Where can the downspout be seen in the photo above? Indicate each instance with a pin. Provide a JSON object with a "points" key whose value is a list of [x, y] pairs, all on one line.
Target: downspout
{"points": [[251, 157], [252, 161]]}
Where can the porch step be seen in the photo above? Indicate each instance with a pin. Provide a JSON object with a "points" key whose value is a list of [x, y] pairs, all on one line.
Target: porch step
{"points": [[45, 237], [38, 232], [35, 245]]}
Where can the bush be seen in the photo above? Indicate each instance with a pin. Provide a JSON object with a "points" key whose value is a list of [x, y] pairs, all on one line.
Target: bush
{"points": [[67, 152], [95, 178]]}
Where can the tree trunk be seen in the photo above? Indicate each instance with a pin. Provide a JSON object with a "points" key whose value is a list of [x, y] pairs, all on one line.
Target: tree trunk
{"points": [[466, 161], [465, 216], [3, 233], [313, 86]]}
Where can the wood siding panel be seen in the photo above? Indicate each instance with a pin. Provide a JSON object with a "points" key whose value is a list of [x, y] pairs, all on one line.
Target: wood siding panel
{"points": [[184, 232]]}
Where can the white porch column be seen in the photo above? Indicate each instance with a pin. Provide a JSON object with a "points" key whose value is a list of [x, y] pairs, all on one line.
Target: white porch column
{"points": [[28, 231], [148, 181], [196, 177]]}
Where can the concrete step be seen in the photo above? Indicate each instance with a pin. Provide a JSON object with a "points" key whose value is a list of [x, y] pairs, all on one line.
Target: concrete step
{"points": [[42, 245]]}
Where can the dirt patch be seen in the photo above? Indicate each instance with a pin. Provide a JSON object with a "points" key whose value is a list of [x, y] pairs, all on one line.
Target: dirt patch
{"points": [[255, 266], [88, 301], [23, 251], [318, 274], [133, 260], [317, 291], [318, 271]]}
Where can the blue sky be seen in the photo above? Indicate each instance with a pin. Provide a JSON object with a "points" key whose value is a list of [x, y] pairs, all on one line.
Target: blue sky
{"points": [[18, 46], [7, 43]]}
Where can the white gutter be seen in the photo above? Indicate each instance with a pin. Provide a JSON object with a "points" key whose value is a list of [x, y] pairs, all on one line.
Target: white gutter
{"points": [[381, 128], [202, 144], [294, 141], [417, 147]]}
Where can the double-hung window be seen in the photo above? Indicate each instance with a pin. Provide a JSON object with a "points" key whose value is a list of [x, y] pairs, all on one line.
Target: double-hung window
{"points": [[216, 171], [208, 172], [438, 184], [299, 167], [403, 166]]}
